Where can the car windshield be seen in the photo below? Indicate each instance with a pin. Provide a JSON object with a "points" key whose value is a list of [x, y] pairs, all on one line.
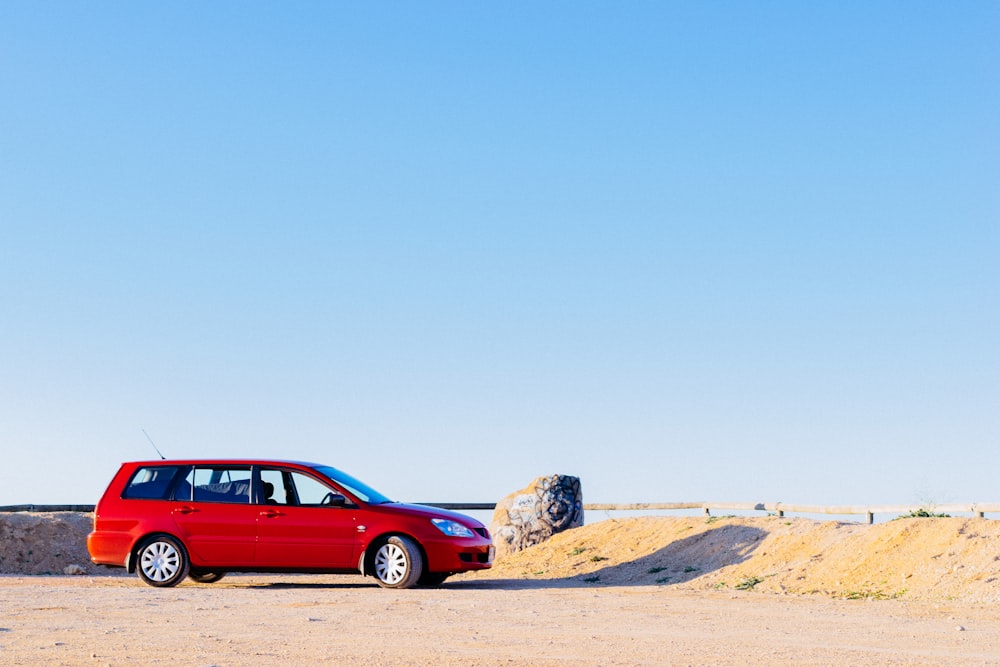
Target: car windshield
{"points": [[354, 486]]}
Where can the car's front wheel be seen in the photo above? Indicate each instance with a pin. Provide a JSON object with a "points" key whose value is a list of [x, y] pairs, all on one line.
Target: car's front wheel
{"points": [[398, 563], [162, 561], [203, 577]]}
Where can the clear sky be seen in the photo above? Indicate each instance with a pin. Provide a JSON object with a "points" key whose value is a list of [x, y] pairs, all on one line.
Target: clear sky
{"points": [[721, 251]]}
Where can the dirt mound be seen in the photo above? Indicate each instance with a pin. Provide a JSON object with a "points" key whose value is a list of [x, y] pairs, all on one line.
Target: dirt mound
{"points": [[925, 558], [920, 559], [46, 543]]}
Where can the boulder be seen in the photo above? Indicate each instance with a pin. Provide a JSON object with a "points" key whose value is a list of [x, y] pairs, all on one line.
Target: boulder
{"points": [[547, 506]]}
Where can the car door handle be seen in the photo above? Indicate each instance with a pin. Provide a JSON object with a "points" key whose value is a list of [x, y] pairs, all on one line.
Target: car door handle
{"points": [[270, 514], [184, 510]]}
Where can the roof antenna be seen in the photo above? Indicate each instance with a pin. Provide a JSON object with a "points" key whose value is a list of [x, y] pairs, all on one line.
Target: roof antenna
{"points": [[152, 443]]}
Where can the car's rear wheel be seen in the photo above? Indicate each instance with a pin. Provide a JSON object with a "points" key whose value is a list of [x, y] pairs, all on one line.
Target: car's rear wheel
{"points": [[162, 561], [203, 577], [398, 563]]}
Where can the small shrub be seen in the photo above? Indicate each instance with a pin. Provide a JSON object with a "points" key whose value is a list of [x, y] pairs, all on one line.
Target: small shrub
{"points": [[923, 513], [597, 559], [870, 594], [654, 570], [663, 580], [577, 551], [748, 583], [591, 580], [691, 569]]}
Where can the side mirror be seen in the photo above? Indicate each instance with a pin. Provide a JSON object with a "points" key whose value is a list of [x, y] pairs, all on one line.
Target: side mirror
{"points": [[334, 500]]}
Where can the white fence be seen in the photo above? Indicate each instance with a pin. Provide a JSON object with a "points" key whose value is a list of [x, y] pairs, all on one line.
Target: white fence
{"points": [[869, 511], [780, 509]]}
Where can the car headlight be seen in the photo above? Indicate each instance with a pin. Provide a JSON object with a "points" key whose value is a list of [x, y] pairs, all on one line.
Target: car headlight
{"points": [[452, 528]]}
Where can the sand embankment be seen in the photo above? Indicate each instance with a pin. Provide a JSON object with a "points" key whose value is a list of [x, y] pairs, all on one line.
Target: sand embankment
{"points": [[917, 559]]}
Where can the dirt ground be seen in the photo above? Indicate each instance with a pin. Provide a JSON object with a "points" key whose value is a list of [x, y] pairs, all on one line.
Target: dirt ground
{"points": [[646, 591], [302, 620]]}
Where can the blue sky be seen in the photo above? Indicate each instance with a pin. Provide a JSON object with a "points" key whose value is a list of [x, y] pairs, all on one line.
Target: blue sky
{"points": [[686, 251]]}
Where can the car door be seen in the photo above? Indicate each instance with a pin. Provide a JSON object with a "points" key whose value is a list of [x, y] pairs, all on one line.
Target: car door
{"points": [[296, 529], [214, 516]]}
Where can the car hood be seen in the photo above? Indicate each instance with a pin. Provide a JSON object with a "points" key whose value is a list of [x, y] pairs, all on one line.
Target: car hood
{"points": [[432, 513]]}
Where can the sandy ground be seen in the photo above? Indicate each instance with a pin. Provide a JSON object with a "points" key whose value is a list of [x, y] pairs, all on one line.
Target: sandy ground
{"points": [[301, 620], [643, 591]]}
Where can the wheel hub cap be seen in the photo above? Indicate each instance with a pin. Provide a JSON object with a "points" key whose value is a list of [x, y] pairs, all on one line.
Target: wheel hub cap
{"points": [[390, 564]]}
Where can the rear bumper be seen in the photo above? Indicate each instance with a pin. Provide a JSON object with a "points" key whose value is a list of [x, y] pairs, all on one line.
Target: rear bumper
{"points": [[109, 548]]}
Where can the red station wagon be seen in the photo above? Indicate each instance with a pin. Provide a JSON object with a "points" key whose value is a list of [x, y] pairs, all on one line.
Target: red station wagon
{"points": [[168, 520]]}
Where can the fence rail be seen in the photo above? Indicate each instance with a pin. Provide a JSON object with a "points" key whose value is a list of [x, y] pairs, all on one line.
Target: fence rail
{"points": [[977, 509], [869, 511], [46, 508]]}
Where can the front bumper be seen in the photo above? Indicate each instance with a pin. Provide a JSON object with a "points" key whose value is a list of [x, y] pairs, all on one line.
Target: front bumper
{"points": [[459, 555]]}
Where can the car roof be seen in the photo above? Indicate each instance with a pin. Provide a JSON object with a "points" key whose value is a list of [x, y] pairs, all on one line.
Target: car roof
{"points": [[204, 461]]}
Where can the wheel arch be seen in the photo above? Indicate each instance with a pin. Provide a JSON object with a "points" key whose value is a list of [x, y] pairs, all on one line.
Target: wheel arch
{"points": [[133, 553], [366, 560]]}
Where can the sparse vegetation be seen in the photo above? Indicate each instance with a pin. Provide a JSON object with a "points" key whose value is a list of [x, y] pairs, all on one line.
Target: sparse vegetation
{"points": [[872, 594], [591, 580], [923, 513], [663, 580], [577, 551], [748, 583], [655, 570], [689, 568], [597, 559]]}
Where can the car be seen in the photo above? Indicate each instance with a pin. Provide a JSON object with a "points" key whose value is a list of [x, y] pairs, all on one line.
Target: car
{"points": [[171, 519]]}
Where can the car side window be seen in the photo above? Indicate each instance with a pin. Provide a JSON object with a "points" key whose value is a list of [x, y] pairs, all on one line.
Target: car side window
{"points": [[276, 487], [218, 484], [310, 491], [150, 483], [291, 487]]}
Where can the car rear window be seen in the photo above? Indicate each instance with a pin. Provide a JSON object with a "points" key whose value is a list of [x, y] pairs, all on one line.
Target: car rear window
{"points": [[150, 483]]}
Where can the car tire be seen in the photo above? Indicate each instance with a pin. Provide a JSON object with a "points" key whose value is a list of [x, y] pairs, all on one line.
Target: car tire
{"points": [[397, 562], [162, 561], [203, 577]]}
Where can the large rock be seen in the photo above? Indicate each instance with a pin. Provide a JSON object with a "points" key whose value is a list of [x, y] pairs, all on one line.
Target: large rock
{"points": [[547, 506]]}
